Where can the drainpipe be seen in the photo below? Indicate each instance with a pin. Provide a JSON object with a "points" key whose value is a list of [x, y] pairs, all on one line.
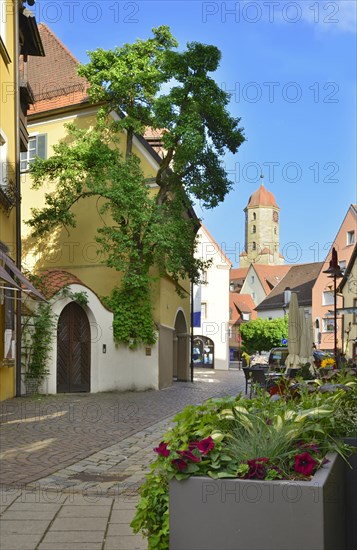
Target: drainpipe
{"points": [[18, 196]]}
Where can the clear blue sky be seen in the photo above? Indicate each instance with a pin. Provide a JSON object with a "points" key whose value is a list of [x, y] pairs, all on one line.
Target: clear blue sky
{"points": [[291, 67]]}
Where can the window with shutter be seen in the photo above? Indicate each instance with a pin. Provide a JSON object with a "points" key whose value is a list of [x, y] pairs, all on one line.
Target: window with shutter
{"points": [[37, 147]]}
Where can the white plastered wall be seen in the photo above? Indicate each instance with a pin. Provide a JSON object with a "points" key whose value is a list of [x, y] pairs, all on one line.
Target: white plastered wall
{"points": [[216, 296], [119, 368]]}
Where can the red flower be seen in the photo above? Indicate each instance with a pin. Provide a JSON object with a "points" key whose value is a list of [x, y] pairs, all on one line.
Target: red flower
{"points": [[193, 445], [257, 468], [205, 445], [162, 449], [304, 464], [179, 464], [188, 455]]}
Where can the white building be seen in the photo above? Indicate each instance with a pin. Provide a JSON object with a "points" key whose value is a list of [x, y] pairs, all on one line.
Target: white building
{"points": [[211, 339]]}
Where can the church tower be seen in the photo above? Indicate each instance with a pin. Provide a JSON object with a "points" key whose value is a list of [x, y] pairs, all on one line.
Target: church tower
{"points": [[261, 230]]}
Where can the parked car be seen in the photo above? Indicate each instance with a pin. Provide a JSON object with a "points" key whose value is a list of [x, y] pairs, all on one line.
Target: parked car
{"points": [[277, 358]]}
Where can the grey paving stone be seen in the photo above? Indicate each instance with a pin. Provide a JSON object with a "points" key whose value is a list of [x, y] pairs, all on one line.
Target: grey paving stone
{"points": [[122, 516], [34, 506], [7, 496], [79, 524], [80, 499], [73, 537], [24, 515], [125, 504], [84, 511], [119, 529], [125, 543], [19, 542], [23, 527], [71, 546]]}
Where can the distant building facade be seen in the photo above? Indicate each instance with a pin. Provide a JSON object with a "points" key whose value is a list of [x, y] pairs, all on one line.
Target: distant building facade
{"points": [[211, 345], [322, 295], [300, 279]]}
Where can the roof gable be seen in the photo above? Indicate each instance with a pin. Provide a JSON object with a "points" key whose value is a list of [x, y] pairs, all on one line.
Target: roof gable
{"points": [[223, 257], [241, 303], [270, 275], [301, 279]]}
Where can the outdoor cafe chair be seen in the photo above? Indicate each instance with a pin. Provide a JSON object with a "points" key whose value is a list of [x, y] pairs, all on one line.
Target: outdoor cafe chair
{"points": [[257, 376], [247, 372]]}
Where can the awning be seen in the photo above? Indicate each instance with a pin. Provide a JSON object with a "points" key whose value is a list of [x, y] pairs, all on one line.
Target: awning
{"points": [[16, 271], [6, 277]]}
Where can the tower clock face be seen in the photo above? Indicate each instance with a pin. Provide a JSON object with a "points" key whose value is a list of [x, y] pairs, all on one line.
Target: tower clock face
{"points": [[275, 216]]}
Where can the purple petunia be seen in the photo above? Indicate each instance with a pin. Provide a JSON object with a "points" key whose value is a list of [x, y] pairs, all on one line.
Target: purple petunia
{"points": [[188, 455], [257, 468], [304, 464], [179, 464], [162, 449], [205, 445]]}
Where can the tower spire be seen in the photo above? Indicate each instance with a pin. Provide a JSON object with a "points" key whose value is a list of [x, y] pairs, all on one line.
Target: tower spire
{"points": [[261, 179]]}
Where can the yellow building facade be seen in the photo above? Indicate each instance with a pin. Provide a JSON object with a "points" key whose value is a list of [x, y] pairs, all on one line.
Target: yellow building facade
{"points": [[18, 37], [76, 255], [7, 178]]}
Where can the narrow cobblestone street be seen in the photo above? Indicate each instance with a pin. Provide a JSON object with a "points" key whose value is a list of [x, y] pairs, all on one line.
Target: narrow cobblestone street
{"points": [[71, 464]]}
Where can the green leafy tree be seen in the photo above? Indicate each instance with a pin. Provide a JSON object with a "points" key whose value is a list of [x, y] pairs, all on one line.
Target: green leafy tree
{"points": [[263, 334], [150, 234]]}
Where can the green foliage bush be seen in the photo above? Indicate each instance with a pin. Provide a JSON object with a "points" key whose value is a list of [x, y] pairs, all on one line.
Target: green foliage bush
{"points": [[263, 334]]}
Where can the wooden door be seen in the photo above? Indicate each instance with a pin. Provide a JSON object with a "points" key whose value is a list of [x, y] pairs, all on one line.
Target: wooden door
{"points": [[73, 350]]}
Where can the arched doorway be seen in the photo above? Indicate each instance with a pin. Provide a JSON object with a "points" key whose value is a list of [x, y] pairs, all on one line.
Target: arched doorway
{"points": [[203, 352], [181, 348], [73, 350]]}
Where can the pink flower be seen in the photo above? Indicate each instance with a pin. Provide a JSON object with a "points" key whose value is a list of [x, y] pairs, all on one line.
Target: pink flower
{"points": [[162, 449], [188, 455], [193, 445], [304, 464], [205, 445], [179, 464]]}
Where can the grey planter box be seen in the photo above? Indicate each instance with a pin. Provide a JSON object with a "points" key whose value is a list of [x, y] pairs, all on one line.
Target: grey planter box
{"points": [[351, 497], [236, 514]]}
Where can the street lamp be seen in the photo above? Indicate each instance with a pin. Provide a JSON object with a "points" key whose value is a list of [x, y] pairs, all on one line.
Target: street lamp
{"points": [[334, 272]]}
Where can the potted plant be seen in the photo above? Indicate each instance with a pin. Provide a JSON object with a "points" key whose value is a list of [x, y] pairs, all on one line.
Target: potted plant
{"points": [[232, 464], [37, 340]]}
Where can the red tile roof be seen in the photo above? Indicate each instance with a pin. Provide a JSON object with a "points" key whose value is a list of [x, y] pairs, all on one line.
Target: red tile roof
{"points": [[238, 273], [262, 197], [52, 281], [53, 79], [270, 275], [241, 303], [55, 83]]}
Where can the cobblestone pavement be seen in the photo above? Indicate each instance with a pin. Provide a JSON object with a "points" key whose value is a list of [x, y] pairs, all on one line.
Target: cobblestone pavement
{"points": [[71, 464]]}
